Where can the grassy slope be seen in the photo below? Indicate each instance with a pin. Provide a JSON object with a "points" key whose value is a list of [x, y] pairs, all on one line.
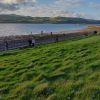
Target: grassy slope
{"points": [[68, 70]]}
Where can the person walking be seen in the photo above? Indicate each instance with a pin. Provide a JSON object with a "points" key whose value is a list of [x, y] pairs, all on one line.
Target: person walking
{"points": [[33, 42], [30, 42]]}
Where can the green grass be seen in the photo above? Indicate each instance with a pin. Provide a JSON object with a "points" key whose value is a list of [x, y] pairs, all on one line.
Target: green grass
{"points": [[68, 70]]}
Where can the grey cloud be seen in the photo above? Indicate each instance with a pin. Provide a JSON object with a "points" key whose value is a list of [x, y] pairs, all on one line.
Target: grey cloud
{"points": [[15, 5], [27, 7], [8, 7]]}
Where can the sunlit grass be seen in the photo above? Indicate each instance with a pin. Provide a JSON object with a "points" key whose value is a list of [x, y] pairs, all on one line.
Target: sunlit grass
{"points": [[68, 70]]}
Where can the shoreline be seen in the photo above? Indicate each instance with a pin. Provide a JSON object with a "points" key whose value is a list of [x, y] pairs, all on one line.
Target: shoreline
{"points": [[59, 31], [22, 41], [89, 28]]}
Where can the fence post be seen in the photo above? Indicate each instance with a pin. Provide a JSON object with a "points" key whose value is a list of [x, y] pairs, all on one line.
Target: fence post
{"points": [[6, 45], [56, 38]]}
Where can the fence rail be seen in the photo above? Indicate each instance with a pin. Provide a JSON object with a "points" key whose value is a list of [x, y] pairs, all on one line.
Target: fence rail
{"points": [[14, 42]]}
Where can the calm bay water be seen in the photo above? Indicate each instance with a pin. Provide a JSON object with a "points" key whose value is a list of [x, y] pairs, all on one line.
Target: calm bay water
{"points": [[20, 29]]}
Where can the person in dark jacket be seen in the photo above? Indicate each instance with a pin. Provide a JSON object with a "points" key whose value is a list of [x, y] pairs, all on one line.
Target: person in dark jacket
{"points": [[30, 42]]}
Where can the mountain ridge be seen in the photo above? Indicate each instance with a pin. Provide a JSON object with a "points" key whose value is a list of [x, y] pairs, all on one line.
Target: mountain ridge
{"points": [[12, 18]]}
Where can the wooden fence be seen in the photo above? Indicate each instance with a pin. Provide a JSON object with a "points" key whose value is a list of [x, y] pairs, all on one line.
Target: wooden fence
{"points": [[13, 42]]}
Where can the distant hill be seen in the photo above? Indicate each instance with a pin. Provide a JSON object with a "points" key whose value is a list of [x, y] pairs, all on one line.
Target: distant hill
{"points": [[56, 20]]}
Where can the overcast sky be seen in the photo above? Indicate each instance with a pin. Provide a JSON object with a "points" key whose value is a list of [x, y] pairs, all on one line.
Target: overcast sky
{"points": [[52, 8]]}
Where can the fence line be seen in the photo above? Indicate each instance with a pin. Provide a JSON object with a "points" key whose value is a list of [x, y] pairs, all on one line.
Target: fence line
{"points": [[14, 42]]}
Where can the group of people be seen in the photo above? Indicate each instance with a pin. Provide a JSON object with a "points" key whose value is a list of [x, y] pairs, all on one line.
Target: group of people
{"points": [[31, 42]]}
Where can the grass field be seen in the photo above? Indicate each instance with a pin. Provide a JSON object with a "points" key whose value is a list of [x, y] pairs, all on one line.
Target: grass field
{"points": [[68, 70]]}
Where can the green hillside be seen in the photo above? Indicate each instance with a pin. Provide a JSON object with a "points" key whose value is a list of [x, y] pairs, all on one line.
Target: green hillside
{"points": [[56, 20], [68, 70]]}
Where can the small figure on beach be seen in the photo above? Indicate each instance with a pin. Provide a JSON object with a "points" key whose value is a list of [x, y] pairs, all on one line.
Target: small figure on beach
{"points": [[41, 32], [51, 33]]}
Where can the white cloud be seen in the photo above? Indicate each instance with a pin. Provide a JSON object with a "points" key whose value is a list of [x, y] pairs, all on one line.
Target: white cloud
{"points": [[63, 8], [68, 3], [47, 11]]}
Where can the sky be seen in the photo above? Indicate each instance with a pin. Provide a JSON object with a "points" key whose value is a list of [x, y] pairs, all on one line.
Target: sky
{"points": [[52, 8]]}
